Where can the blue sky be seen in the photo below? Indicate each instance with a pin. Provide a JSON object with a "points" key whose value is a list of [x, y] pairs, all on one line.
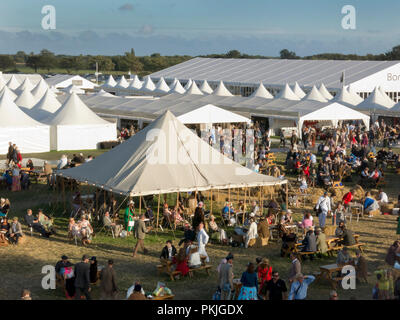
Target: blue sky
{"points": [[199, 26]]}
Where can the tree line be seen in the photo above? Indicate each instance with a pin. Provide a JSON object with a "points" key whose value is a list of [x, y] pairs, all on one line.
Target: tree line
{"points": [[47, 60]]}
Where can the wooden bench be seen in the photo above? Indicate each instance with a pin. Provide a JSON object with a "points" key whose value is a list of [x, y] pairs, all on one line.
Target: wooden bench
{"points": [[165, 267], [358, 246], [206, 267]]}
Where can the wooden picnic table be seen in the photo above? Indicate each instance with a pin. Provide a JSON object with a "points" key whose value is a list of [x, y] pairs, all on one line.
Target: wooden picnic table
{"points": [[327, 272], [357, 208], [165, 297]]}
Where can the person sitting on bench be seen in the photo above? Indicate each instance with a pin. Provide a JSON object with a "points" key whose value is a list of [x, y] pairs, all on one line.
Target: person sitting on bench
{"points": [[168, 252], [149, 214], [15, 231], [343, 257], [189, 234], [348, 237], [46, 222], [4, 230], [34, 223], [370, 204], [116, 228], [194, 257], [310, 242], [4, 207], [339, 232]]}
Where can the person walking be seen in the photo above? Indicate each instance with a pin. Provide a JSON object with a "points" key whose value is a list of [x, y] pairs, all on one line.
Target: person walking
{"points": [[140, 233], [108, 285], [82, 278], [225, 278], [323, 208], [298, 291]]}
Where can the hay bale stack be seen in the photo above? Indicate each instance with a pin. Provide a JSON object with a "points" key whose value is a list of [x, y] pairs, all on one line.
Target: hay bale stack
{"points": [[359, 192]]}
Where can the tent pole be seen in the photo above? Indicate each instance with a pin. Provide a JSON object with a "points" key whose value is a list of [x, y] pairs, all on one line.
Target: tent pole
{"points": [[287, 198], [229, 203], [244, 204], [260, 202], [140, 205], [158, 208], [97, 200], [177, 206], [63, 193], [211, 202]]}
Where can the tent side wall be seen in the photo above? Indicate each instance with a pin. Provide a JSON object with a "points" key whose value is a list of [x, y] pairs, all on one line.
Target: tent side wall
{"points": [[85, 137], [28, 139]]}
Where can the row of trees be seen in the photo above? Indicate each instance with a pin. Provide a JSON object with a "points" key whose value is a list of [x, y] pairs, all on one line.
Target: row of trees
{"points": [[47, 60]]}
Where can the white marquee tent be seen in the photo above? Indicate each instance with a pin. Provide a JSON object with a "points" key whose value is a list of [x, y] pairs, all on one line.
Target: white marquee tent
{"points": [[376, 101], [75, 127], [287, 94], [325, 92], [122, 83], [262, 92], [9, 92], [194, 89], [40, 89], [148, 85], [315, 95], [221, 90], [205, 87], [25, 99], [27, 84], [45, 107], [13, 83], [350, 98], [161, 87], [177, 88], [188, 84], [17, 127], [110, 83], [298, 91]]}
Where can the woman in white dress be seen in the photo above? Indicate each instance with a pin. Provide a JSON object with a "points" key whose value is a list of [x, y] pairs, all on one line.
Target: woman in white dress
{"points": [[202, 240]]}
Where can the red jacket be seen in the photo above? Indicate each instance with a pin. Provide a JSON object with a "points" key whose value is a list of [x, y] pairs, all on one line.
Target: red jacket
{"points": [[347, 197]]}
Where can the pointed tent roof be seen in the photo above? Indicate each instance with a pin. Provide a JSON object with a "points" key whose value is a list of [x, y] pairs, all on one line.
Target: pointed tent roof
{"points": [[12, 116], [40, 89], [48, 102], [325, 93], [177, 88], [315, 95], [221, 90], [148, 85], [162, 86], [135, 84], [188, 84], [73, 89], [287, 94], [298, 91], [103, 93], [385, 98], [54, 90], [165, 163], [122, 83], [2, 82], [205, 87], [25, 99], [110, 83], [194, 89], [261, 92], [74, 112], [346, 97], [9, 92], [13, 83], [376, 101], [211, 114], [26, 84]]}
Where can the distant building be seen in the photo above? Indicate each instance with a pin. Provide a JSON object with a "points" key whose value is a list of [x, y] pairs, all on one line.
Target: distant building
{"points": [[62, 81]]}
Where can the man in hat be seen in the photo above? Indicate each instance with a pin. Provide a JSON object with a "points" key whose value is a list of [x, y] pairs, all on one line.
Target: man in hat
{"points": [[225, 278], [108, 285], [128, 217], [140, 233], [63, 263], [298, 291], [82, 278], [323, 207]]}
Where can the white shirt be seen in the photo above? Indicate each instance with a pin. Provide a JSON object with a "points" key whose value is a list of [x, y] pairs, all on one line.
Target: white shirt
{"points": [[202, 238], [383, 197], [324, 204]]}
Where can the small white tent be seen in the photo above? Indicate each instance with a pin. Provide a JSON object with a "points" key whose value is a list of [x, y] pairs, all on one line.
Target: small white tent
{"points": [[75, 127], [205, 87], [148, 85], [25, 99], [122, 83], [194, 89], [110, 83], [346, 97], [287, 94], [161, 87], [211, 114], [103, 93], [188, 84], [17, 127], [261, 92], [177, 88], [73, 89], [135, 84], [13, 83], [45, 107], [221, 90], [376, 101], [9, 92], [298, 91], [26, 84], [325, 92], [40, 89], [2, 82], [315, 95]]}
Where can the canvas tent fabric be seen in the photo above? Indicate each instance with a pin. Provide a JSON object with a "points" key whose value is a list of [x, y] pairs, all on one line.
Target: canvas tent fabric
{"points": [[161, 87], [2, 82], [262, 92], [287, 94], [40, 89], [13, 83], [46, 106], [188, 84], [26, 84], [75, 127], [9, 92], [348, 98], [135, 84], [326, 94], [17, 127], [122, 83], [165, 157], [103, 93], [177, 88], [194, 89], [73, 89], [148, 85], [110, 83], [298, 91], [315, 95], [205, 87], [25, 99], [211, 114], [376, 101], [221, 90]]}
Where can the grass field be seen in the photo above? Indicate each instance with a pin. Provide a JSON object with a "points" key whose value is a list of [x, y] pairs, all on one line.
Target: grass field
{"points": [[21, 265]]}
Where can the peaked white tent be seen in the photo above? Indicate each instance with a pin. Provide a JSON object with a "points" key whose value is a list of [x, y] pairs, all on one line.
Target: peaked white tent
{"points": [[25, 99], [26, 84], [46, 106], [11, 93], [13, 83], [188, 84], [287, 94], [148, 85], [298, 91], [73, 89], [162, 87], [103, 93], [205, 87], [194, 89], [221, 90], [2, 82], [75, 127], [40, 89], [325, 92], [177, 88], [209, 114], [165, 157], [110, 83], [135, 84], [376, 101], [261, 92], [17, 127], [346, 97], [315, 95], [122, 83]]}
